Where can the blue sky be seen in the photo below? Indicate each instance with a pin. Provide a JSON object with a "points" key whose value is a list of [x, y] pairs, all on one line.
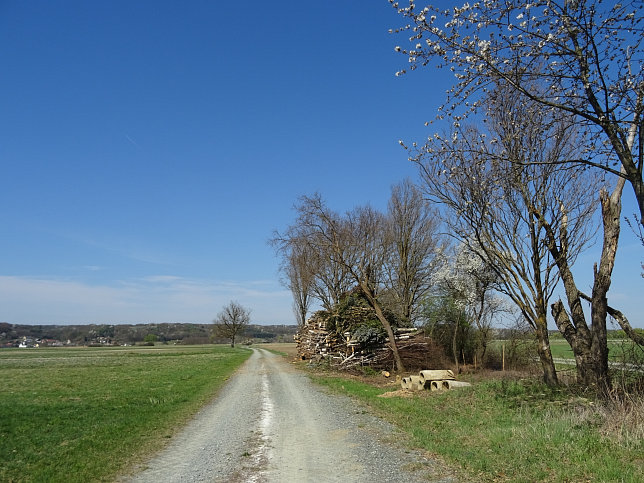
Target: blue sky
{"points": [[149, 149]]}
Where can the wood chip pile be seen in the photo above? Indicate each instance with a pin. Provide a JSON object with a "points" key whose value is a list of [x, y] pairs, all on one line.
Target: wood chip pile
{"points": [[433, 380]]}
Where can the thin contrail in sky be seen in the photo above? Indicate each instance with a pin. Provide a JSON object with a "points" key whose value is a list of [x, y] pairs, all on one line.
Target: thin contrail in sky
{"points": [[132, 141]]}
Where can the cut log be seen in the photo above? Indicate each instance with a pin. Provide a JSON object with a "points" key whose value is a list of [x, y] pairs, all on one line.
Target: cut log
{"points": [[405, 330], [436, 375]]}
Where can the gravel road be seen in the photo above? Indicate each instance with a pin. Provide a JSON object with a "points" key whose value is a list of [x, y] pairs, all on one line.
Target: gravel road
{"points": [[271, 424]]}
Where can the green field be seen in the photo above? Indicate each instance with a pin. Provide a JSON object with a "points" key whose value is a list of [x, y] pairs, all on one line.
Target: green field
{"points": [[504, 430], [85, 414], [619, 350]]}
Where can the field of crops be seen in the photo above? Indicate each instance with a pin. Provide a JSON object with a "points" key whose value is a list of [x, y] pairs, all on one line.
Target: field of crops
{"points": [[84, 414]]}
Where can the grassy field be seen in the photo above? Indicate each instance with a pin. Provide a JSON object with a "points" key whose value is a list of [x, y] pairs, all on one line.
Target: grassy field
{"points": [[618, 350], [502, 430], [84, 414]]}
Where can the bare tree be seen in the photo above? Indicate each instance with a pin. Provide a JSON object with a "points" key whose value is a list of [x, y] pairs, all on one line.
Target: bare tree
{"points": [[590, 344], [331, 280], [589, 55], [494, 184], [353, 242], [300, 281], [414, 247], [298, 273], [309, 273], [231, 322]]}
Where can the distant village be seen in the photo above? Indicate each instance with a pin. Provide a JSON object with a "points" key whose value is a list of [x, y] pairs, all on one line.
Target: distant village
{"points": [[94, 335]]}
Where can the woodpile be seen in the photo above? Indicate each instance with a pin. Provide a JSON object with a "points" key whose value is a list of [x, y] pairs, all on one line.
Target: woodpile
{"points": [[353, 347], [433, 380]]}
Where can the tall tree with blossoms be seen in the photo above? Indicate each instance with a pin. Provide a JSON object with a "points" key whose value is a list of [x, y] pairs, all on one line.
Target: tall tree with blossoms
{"points": [[504, 195], [572, 58], [588, 54]]}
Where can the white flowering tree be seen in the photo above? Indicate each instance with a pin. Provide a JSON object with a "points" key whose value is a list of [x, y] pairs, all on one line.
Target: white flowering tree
{"points": [[470, 283], [587, 54]]}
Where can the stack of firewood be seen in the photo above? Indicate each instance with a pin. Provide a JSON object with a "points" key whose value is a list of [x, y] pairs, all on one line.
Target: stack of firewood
{"points": [[434, 380], [315, 342]]}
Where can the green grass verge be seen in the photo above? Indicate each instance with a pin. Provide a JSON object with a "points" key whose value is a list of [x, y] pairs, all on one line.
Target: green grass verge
{"points": [[508, 431], [84, 414]]}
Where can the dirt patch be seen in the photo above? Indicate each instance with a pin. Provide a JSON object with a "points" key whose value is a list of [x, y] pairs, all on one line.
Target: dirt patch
{"points": [[288, 348]]}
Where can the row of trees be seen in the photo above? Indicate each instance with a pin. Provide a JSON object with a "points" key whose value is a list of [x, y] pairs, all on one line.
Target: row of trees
{"points": [[561, 85], [115, 333], [545, 127], [391, 257]]}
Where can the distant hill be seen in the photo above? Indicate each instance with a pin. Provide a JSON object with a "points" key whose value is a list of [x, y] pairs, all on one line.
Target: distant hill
{"points": [[12, 335]]}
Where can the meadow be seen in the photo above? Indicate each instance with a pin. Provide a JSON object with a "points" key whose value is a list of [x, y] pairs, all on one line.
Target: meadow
{"points": [[86, 414], [619, 350]]}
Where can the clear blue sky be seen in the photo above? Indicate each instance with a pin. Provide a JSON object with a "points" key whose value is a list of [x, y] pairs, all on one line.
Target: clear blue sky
{"points": [[149, 149]]}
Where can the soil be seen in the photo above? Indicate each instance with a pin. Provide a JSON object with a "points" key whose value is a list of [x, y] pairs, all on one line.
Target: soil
{"points": [[271, 424]]}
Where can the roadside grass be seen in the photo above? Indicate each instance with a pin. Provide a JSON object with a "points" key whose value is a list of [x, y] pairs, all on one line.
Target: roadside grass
{"points": [[85, 414], [514, 430]]}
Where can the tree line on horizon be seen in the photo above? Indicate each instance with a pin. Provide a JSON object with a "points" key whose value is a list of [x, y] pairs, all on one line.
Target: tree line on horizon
{"points": [[118, 334]]}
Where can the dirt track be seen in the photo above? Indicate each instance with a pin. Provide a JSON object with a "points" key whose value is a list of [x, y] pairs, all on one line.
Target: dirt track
{"points": [[270, 424]]}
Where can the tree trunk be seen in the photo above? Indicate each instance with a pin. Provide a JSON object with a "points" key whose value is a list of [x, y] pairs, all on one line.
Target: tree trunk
{"points": [[454, 345], [483, 350], [385, 323], [543, 349], [611, 212], [590, 346], [580, 343]]}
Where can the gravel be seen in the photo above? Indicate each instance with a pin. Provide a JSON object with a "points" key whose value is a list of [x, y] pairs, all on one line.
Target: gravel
{"points": [[271, 424]]}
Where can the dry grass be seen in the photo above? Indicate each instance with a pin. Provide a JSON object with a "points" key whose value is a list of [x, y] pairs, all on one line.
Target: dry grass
{"points": [[623, 419], [288, 348]]}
